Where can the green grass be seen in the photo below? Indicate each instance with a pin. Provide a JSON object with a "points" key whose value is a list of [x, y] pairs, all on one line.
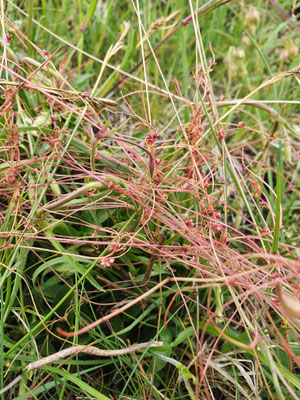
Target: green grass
{"points": [[149, 197]]}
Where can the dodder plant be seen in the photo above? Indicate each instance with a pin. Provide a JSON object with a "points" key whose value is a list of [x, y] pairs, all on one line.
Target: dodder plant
{"points": [[152, 223]]}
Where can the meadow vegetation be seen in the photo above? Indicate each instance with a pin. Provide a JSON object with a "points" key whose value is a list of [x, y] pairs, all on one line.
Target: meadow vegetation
{"points": [[148, 200]]}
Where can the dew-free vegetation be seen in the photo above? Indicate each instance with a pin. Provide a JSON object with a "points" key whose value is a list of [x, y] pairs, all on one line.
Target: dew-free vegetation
{"points": [[149, 204]]}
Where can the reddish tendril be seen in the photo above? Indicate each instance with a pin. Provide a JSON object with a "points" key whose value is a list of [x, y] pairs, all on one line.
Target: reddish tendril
{"points": [[115, 312]]}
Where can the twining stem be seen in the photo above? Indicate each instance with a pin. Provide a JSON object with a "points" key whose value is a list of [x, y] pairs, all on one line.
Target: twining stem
{"points": [[114, 312], [213, 281], [106, 133], [152, 258], [65, 297], [76, 193]]}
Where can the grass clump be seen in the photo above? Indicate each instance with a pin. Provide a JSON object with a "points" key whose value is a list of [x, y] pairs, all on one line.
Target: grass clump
{"points": [[149, 201]]}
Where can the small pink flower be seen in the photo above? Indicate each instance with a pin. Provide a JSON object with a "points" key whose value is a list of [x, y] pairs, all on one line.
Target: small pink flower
{"points": [[46, 53], [218, 215], [221, 133], [231, 282], [114, 246], [186, 185], [151, 138], [275, 276], [217, 227], [101, 134], [8, 37], [107, 262], [111, 185]]}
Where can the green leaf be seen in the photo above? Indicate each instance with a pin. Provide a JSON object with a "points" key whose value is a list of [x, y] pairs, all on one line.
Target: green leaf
{"points": [[166, 338], [90, 12], [82, 385], [182, 336], [67, 266], [81, 81]]}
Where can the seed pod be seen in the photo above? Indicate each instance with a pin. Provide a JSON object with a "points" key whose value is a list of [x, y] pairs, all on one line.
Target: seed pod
{"points": [[292, 49], [239, 54], [252, 19], [252, 16], [284, 55], [287, 153], [290, 304], [55, 188]]}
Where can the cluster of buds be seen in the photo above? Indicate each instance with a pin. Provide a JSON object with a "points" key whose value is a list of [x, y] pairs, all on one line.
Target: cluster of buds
{"points": [[151, 138], [235, 62], [212, 212], [111, 185], [187, 186], [11, 177], [217, 214], [221, 133], [157, 177], [265, 231], [107, 262], [217, 226], [114, 247], [289, 52], [102, 133], [252, 19], [256, 187], [46, 53], [189, 223]]}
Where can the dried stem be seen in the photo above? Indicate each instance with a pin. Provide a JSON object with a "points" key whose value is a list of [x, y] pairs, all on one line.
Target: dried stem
{"points": [[214, 281], [284, 15], [290, 304], [94, 351]]}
